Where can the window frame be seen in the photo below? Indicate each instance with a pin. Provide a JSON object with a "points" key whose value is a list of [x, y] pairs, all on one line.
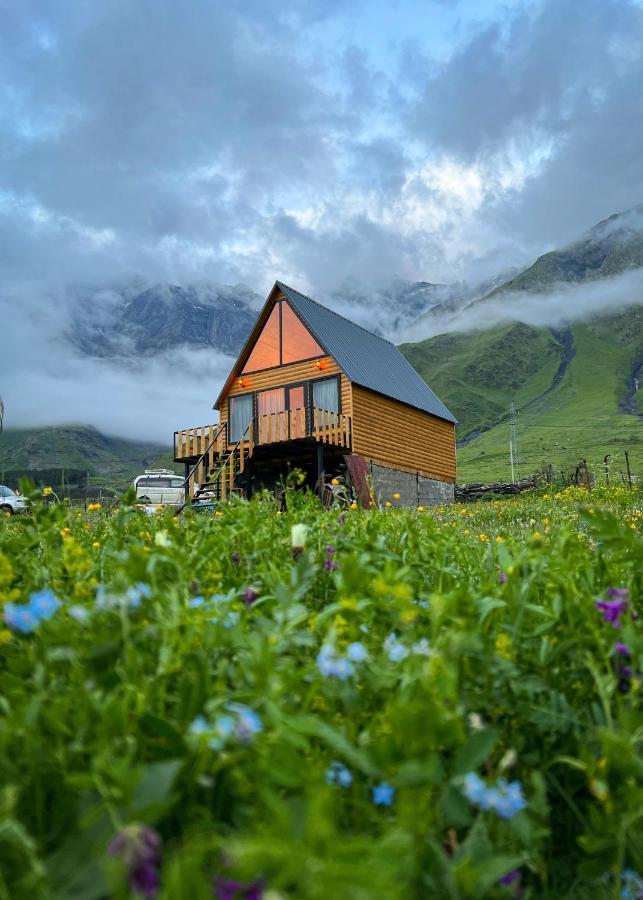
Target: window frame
{"points": [[307, 385], [282, 365], [338, 379]]}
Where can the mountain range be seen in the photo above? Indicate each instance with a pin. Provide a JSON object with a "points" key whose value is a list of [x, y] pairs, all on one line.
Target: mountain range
{"points": [[575, 384]]}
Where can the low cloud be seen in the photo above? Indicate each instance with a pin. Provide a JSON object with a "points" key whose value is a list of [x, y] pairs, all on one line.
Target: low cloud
{"points": [[44, 381], [564, 303]]}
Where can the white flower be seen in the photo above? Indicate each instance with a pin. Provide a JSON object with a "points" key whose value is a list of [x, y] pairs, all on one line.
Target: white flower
{"points": [[161, 539], [298, 535]]}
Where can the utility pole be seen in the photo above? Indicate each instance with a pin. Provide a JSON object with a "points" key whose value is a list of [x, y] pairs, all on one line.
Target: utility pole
{"points": [[627, 463], [511, 460]]}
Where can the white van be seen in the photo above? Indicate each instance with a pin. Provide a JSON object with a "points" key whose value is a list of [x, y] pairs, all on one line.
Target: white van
{"points": [[160, 487]]}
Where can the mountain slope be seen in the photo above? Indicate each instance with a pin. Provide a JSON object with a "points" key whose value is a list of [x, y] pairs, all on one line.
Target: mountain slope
{"points": [[110, 461], [142, 321], [574, 392]]}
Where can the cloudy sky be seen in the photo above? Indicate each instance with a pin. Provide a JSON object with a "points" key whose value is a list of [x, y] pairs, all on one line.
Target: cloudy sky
{"points": [[310, 141]]}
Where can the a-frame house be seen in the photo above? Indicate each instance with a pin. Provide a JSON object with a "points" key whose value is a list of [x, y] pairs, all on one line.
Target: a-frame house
{"points": [[314, 391]]}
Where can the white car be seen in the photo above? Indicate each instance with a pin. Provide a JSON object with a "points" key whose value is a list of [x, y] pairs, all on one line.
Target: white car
{"points": [[11, 503], [158, 487]]}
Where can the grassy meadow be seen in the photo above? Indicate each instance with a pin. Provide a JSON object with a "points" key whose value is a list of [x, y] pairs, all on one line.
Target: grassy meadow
{"points": [[266, 703]]}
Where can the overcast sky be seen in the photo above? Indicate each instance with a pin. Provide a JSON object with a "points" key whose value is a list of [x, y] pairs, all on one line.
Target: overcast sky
{"points": [[314, 140], [311, 141]]}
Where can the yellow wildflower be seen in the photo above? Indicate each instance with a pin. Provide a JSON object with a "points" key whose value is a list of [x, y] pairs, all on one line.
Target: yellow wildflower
{"points": [[94, 507], [353, 505], [218, 514], [388, 504], [65, 532], [420, 509], [499, 540], [396, 496], [466, 531], [503, 646], [96, 545], [545, 521], [47, 492], [483, 538]]}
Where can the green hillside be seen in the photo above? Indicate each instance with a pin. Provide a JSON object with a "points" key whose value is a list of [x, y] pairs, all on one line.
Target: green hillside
{"points": [[110, 461], [573, 390]]}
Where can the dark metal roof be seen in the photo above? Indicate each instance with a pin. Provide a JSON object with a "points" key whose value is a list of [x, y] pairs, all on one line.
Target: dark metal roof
{"points": [[367, 359]]}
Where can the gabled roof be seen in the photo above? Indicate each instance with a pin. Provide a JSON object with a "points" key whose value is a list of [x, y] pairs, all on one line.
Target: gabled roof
{"points": [[367, 360]]}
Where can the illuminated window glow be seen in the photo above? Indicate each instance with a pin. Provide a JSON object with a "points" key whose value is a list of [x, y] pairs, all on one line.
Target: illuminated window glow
{"points": [[284, 339]]}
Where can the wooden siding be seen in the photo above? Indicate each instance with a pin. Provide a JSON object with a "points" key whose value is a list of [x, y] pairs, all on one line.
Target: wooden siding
{"points": [[290, 374], [392, 434]]}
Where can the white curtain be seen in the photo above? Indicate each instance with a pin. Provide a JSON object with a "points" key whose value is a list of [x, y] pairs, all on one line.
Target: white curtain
{"points": [[326, 394], [240, 416]]}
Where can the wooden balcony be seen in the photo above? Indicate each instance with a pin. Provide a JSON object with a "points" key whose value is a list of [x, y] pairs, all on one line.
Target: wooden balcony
{"points": [[319, 425]]}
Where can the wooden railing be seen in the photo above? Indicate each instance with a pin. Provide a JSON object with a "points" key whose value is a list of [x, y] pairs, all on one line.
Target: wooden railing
{"points": [[272, 428], [192, 442], [292, 424]]}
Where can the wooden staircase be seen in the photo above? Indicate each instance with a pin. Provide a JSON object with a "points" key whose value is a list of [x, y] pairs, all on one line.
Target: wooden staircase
{"points": [[216, 466]]}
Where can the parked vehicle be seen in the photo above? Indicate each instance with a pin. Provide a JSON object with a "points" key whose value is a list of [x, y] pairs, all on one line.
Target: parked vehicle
{"points": [[159, 487], [11, 503]]}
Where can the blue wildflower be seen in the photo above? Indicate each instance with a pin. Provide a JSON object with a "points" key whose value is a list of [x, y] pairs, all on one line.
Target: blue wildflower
{"points": [[196, 602], [475, 788], [248, 722], [44, 604], [383, 794], [631, 885], [337, 773], [331, 665], [505, 799], [356, 652], [138, 592], [395, 650], [20, 618], [200, 726]]}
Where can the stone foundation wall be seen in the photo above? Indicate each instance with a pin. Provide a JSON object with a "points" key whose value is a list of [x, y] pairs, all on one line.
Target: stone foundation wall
{"points": [[414, 490]]}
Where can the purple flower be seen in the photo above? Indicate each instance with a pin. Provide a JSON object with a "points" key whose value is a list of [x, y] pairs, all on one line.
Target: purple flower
{"points": [[330, 550], [510, 877], [140, 849], [330, 565], [612, 610], [229, 889], [618, 593], [622, 649], [249, 596], [502, 578]]}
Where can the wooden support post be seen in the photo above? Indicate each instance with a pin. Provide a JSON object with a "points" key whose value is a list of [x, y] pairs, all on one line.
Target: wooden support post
{"points": [[629, 473], [320, 468]]}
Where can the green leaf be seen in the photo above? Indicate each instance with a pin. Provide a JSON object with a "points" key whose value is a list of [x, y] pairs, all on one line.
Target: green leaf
{"points": [[476, 750]]}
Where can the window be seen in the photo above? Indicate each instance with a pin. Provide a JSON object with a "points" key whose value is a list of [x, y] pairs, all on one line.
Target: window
{"points": [[326, 394], [296, 341], [271, 401], [240, 416], [265, 352], [284, 339]]}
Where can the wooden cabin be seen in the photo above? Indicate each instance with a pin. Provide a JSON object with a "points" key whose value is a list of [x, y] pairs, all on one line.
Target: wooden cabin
{"points": [[314, 391]]}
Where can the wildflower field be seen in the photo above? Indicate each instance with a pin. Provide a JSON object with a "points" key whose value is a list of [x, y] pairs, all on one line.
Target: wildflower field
{"points": [[265, 704]]}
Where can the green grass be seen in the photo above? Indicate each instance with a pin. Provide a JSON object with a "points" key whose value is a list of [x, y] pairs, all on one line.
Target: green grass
{"points": [[172, 681]]}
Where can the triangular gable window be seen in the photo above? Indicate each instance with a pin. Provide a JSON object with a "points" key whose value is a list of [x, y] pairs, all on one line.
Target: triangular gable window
{"points": [[284, 339]]}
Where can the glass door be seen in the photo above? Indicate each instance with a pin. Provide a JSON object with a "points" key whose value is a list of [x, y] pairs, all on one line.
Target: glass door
{"points": [[272, 418], [297, 407]]}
